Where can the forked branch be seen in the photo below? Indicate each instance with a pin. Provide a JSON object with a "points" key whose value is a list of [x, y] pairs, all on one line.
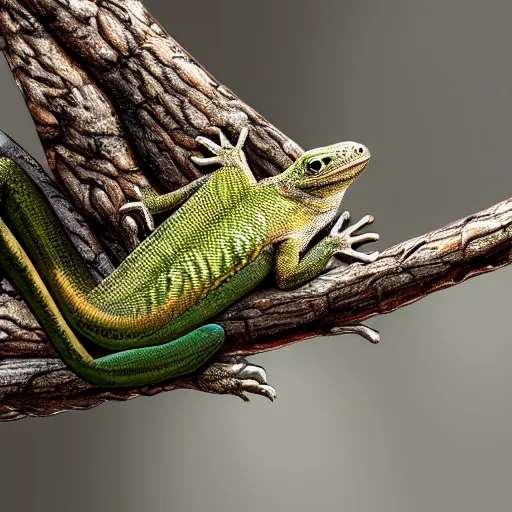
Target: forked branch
{"points": [[117, 103]]}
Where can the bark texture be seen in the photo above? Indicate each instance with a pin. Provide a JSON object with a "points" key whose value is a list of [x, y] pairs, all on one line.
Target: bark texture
{"points": [[118, 103], [39, 384]]}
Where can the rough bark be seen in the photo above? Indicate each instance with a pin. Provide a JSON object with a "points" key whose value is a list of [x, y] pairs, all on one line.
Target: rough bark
{"points": [[164, 97], [109, 89], [271, 319]]}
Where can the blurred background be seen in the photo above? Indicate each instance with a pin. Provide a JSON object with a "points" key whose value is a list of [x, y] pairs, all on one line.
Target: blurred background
{"points": [[422, 421]]}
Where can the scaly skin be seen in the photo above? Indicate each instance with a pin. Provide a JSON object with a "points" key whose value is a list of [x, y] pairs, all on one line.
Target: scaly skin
{"points": [[225, 238]]}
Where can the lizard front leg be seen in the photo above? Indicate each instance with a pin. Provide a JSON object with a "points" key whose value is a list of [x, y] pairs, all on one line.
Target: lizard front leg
{"points": [[226, 154], [150, 202], [292, 270]]}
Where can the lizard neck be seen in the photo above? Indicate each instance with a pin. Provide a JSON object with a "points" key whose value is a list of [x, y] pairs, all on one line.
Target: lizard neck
{"points": [[311, 201]]}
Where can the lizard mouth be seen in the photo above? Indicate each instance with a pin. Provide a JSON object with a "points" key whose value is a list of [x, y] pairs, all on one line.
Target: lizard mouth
{"points": [[342, 173]]}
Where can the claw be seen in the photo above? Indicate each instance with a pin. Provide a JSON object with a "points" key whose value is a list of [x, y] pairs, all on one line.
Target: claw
{"points": [[242, 395], [340, 223], [236, 378], [367, 219], [360, 256], [348, 239], [366, 237], [369, 258], [242, 137], [205, 161], [251, 386], [207, 143], [224, 141], [142, 214], [225, 154], [256, 373], [266, 391]]}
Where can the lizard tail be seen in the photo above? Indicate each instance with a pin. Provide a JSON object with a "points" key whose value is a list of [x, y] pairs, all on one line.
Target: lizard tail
{"points": [[136, 367]]}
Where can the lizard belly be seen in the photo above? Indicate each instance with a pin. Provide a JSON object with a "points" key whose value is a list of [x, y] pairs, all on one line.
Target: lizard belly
{"points": [[232, 288], [185, 269], [182, 312], [212, 256], [199, 272], [181, 292]]}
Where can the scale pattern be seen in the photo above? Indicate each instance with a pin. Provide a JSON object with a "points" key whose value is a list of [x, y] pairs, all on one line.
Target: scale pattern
{"points": [[211, 251]]}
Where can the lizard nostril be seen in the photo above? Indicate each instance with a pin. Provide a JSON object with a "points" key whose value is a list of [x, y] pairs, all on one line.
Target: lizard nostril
{"points": [[361, 150]]}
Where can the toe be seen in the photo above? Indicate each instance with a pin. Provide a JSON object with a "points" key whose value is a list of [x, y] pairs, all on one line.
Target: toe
{"points": [[256, 373], [366, 237], [256, 388]]}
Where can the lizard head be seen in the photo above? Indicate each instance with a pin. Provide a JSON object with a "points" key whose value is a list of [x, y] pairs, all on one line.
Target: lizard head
{"points": [[328, 171]]}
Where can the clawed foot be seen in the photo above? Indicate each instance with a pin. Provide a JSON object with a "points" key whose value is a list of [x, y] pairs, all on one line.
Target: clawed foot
{"points": [[237, 378], [141, 214], [226, 154], [350, 239]]}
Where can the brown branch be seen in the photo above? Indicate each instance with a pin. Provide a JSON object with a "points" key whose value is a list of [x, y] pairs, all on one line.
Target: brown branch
{"points": [[66, 57], [163, 95], [108, 90], [80, 132], [270, 319], [402, 275]]}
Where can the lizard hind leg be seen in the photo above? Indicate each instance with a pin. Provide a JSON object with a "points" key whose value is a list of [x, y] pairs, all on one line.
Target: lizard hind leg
{"points": [[143, 366], [236, 377]]}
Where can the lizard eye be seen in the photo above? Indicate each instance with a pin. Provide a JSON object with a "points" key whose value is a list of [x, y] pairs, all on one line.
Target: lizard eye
{"points": [[319, 164], [315, 165]]}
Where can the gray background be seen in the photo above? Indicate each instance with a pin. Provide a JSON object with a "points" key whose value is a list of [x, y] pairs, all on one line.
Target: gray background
{"points": [[422, 422]]}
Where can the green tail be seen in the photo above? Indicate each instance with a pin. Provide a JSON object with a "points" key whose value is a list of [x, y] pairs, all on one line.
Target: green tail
{"points": [[45, 238]]}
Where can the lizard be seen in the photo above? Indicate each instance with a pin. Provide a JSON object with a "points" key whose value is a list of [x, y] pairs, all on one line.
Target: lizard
{"points": [[226, 234]]}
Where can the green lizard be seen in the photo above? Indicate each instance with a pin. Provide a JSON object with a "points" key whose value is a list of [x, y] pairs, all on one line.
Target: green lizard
{"points": [[227, 235]]}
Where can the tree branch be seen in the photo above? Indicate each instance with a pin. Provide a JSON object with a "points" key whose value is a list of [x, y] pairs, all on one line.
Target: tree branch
{"points": [[164, 97], [271, 319], [109, 89]]}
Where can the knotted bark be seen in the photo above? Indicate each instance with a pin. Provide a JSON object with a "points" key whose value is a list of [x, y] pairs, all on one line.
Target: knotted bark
{"points": [[118, 104]]}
